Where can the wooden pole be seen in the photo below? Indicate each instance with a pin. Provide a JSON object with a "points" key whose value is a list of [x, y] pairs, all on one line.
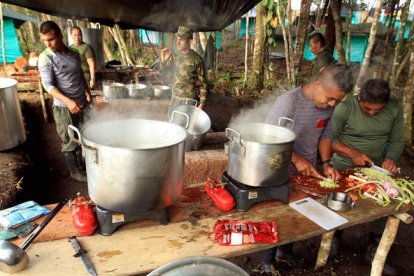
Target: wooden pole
{"points": [[324, 249], [43, 101], [384, 246], [246, 50], [3, 44]]}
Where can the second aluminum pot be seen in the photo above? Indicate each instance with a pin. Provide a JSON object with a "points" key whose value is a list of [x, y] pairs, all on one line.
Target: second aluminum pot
{"points": [[259, 154], [132, 165]]}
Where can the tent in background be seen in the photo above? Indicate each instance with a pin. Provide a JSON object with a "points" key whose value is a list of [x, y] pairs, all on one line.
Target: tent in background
{"points": [[12, 20]]}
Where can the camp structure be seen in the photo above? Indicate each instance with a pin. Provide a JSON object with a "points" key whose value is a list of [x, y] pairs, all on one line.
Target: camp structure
{"points": [[12, 20]]}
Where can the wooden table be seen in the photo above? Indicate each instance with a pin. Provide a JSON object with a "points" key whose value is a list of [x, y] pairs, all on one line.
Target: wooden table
{"points": [[139, 247]]}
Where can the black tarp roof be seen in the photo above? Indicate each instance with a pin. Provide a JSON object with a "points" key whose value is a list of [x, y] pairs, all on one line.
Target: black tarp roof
{"points": [[157, 15]]}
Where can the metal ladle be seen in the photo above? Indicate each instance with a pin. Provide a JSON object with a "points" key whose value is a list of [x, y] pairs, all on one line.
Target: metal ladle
{"points": [[14, 258]]}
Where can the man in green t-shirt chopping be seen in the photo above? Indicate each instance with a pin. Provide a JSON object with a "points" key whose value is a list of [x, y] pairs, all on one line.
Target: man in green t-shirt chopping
{"points": [[368, 129]]}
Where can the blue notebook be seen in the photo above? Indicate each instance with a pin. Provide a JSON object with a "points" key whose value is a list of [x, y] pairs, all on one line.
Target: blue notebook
{"points": [[22, 213]]}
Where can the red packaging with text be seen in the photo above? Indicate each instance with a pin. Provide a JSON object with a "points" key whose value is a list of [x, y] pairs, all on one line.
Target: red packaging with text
{"points": [[238, 232]]}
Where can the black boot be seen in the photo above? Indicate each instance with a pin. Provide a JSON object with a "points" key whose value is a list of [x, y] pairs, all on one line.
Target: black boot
{"points": [[72, 163], [80, 160]]}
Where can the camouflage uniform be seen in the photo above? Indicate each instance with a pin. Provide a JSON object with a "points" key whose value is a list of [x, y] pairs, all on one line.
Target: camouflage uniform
{"points": [[323, 59], [189, 76]]}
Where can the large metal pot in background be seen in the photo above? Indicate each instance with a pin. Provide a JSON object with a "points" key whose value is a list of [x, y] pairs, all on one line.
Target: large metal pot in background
{"points": [[195, 121], [138, 90], [162, 91], [133, 165], [12, 132], [259, 154], [114, 90]]}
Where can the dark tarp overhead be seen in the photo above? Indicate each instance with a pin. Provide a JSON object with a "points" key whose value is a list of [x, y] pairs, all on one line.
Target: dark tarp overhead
{"points": [[157, 15]]}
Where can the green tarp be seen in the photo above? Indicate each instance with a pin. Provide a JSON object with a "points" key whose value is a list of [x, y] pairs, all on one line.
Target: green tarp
{"points": [[13, 50]]}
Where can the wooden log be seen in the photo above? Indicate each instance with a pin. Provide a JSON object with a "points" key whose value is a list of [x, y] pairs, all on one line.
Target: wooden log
{"points": [[405, 217], [43, 101], [324, 249], [384, 246]]}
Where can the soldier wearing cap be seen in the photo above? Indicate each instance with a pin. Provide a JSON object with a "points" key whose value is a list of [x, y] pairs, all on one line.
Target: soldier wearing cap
{"points": [[189, 75]]}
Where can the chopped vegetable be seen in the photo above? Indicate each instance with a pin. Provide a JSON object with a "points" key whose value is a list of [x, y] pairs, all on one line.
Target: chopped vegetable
{"points": [[328, 184]]}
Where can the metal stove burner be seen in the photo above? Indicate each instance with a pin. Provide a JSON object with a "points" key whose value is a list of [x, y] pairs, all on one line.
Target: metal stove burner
{"points": [[245, 196], [109, 221]]}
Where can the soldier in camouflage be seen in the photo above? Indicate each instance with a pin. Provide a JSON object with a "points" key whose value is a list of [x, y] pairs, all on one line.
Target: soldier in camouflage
{"points": [[189, 75]]}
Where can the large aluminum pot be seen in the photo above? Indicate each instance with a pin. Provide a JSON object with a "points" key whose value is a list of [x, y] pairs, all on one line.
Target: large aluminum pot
{"points": [[12, 132], [259, 154], [138, 90], [114, 90], [195, 120], [205, 266], [162, 91], [133, 164]]}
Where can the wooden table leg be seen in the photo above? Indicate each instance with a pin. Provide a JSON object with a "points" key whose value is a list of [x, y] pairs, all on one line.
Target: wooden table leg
{"points": [[43, 101], [324, 249], [387, 239]]}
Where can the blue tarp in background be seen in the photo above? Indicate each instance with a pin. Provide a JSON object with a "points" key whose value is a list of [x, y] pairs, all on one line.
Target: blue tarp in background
{"points": [[13, 50]]}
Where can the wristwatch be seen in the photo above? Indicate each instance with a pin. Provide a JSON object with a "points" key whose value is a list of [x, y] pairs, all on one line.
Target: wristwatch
{"points": [[328, 161]]}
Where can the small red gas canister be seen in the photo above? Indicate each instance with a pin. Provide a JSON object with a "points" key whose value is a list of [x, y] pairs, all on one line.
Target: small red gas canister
{"points": [[83, 215], [223, 200]]}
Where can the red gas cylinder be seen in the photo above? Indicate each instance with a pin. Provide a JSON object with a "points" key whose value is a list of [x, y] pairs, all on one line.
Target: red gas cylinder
{"points": [[83, 215], [223, 200]]}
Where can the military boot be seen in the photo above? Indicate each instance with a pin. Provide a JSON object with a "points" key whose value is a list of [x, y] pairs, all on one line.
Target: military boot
{"points": [[72, 163]]}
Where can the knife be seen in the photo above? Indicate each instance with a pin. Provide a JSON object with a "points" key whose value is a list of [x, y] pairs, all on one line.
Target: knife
{"points": [[372, 166], [80, 252]]}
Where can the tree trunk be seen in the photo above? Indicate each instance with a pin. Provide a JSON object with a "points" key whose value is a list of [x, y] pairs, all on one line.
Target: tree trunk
{"points": [[407, 51], [348, 32], [397, 53], [285, 40], [107, 51], [118, 42], [388, 40], [290, 41], [246, 50], [335, 8], [330, 30], [33, 36], [408, 102], [203, 40], [371, 42], [170, 40], [124, 46], [301, 35], [321, 17], [259, 45]]}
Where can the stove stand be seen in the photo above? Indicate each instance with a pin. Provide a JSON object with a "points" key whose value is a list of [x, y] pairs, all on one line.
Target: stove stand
{"points": [[245, 196], [109, 221]]}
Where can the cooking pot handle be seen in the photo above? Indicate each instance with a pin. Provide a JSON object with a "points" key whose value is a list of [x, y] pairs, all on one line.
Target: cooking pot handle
{"points": [[231, 134], [181, 113], [292, 122], [188, 101], [71, 130]]}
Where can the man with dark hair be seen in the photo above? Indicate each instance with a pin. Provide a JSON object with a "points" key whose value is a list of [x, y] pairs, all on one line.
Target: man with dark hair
{"points": [[189, 75], [86, 54], [311, 108], [323, 55], [368, 128], [62, 77]]}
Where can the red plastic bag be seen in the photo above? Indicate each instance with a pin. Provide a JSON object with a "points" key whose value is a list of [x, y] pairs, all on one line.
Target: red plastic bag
{"points": [[238, 232]]}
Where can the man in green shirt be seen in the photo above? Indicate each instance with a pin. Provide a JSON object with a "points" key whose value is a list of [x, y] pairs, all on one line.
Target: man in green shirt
{"points": [[86, 53], [368, 128], [323, 55]]}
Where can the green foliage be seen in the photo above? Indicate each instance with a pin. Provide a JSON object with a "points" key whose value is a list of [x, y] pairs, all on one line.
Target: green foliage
{"points": [[270, 17]]}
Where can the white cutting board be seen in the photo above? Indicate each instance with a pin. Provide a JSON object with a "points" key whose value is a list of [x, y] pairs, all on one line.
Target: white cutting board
{"points": [[318, 213]]}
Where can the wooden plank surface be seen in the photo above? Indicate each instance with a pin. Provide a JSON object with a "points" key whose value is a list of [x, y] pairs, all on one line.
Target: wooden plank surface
{"points": [[143, 246]]}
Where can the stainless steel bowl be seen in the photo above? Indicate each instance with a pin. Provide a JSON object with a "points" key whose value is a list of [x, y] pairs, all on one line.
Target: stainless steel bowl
{"points": [[338, 201]]}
